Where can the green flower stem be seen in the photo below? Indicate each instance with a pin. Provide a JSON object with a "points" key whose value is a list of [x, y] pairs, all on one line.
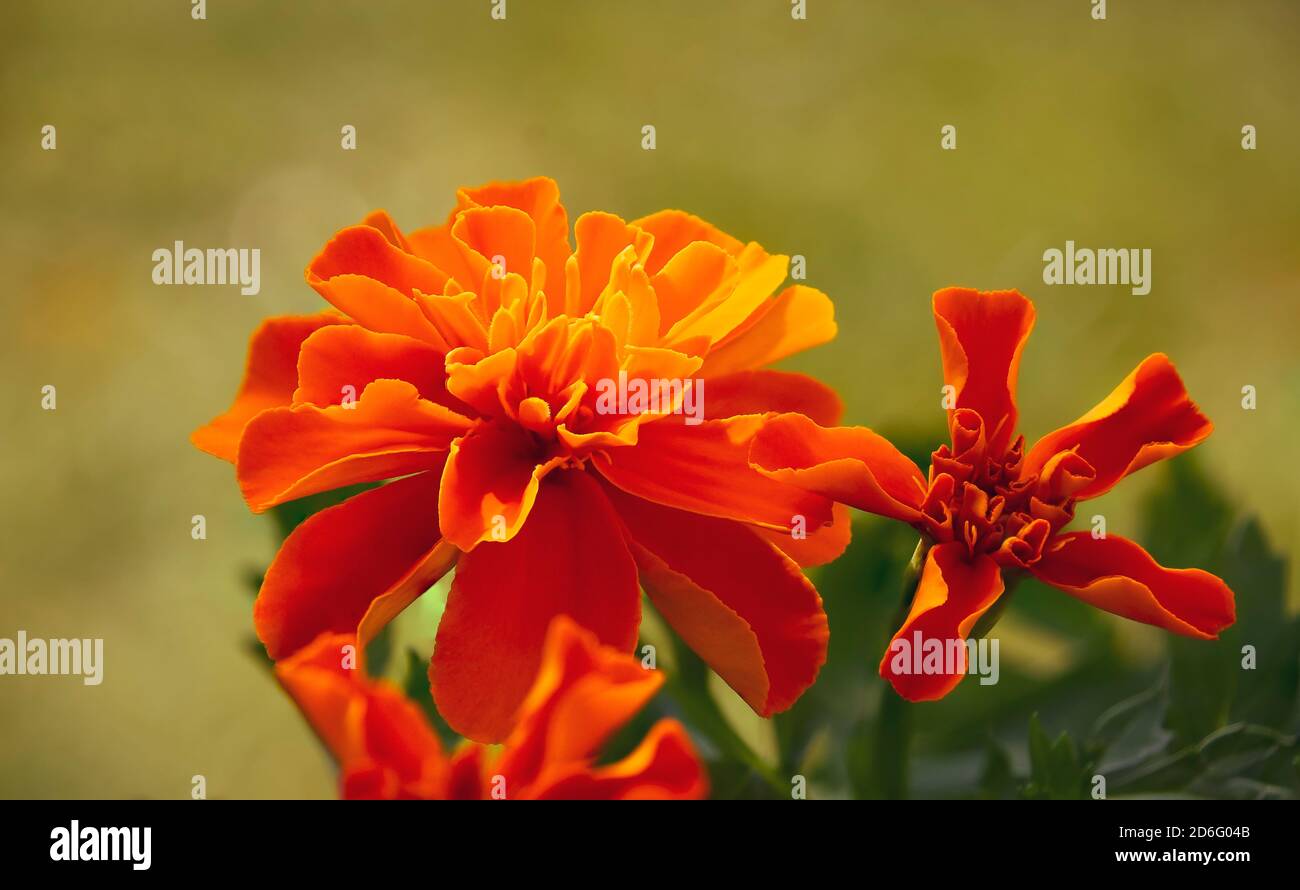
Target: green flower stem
{"points": [[893, 732], [689, 687], [889, 747], [990, 618]]}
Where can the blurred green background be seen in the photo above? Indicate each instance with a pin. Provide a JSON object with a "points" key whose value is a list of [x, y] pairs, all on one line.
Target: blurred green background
{"points": [[816, 137]]}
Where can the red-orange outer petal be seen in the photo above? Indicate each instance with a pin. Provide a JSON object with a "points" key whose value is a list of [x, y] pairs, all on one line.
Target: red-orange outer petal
{"points": [[1148, 417], [1119, 576], [758, 392], [288, 453], [953, 592], [819, 546], [582, 694], [850, 465], [342, 356], [270, 377], [338, 561], [369, 726], [569, 559], [364, 250], [705, 469], [981, 336], [735, 599], [664, 766]]}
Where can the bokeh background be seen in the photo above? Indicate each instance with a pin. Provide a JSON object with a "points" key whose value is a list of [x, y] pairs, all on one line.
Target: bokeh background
{"points": [[816, 137]]}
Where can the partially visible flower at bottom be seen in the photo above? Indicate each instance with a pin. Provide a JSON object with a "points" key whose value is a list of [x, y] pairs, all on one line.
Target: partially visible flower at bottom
{"points": [[583, 693]]}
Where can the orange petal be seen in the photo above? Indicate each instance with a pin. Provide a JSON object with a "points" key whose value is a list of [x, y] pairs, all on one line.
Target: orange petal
{"points": [[325, 692], [734, 598], [628, 279], [503, 236], [704, 468], [365, 251], [570, 558], [350, 356], [583, 693], [796, 319], [364, 275], [455, 316], [392, 602], [270, 377], [690, 279], [851, 465], [477, 379], [758, 392], [538, 197], [390, 431], [382, 742], [491, 483], [1117, 575], [758, 275], [466, 773], [954, 591], [601, 237], [673, 230], [664, 766], [1147, 418], [379, 219], [398, 736], [441, 249], [337, 562], [981, 336], [375, 305], [820, 545]]}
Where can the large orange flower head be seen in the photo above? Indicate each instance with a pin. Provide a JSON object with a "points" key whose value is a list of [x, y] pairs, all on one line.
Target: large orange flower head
{"points": [[559, 422], [989, 506], [583, 693]]}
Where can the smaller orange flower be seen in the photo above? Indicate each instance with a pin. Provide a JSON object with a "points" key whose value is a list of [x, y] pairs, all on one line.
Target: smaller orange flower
{"points": [[583, 693], [990, 507]]}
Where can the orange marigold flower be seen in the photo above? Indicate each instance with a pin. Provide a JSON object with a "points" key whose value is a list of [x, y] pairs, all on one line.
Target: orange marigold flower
{"points": [[989, 507], [583, 693], [466, 361]]}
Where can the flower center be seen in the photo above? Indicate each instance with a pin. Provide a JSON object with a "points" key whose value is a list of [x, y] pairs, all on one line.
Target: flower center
{"points": [[987, 502]]}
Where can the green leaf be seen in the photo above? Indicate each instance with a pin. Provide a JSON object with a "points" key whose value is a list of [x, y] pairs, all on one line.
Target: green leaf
{"points": [[289, 515], [1132, 732], [1055, 772], [1268, 692], [860, 593], [1189, 524], [997, 781], [1186, 522], [688, 686], [416, 688]]}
